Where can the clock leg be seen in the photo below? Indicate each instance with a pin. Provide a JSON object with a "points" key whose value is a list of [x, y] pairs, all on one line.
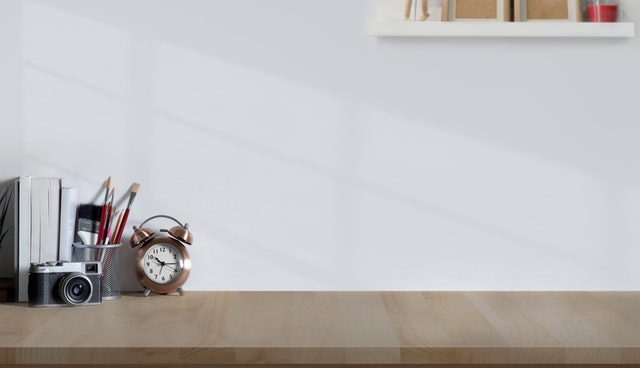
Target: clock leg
{"points": [[180, 291], [147, 292]]}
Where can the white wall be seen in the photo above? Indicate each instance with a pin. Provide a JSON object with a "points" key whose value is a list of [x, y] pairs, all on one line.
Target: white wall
{"points": [[305, 154]]}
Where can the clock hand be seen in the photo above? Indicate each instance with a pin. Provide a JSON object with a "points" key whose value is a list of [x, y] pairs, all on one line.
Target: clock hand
{"points": [[162, 264]]}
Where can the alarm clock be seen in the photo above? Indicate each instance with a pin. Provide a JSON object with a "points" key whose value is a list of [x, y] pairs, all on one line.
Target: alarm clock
{"points": [[162, 262]]}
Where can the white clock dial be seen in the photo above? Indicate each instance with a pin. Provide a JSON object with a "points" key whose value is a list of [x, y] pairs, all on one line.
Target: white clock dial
{"points": [[163, 263]]}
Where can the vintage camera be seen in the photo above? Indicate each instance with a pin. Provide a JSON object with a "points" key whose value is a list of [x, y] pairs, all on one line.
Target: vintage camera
{"points": [[65, 283]]}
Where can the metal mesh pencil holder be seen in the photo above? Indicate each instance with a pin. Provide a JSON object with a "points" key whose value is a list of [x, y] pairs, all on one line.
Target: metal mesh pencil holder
{"points": [[108, 256]]}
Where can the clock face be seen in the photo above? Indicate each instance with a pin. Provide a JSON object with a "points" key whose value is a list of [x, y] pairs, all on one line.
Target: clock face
{"points": [[163, 263]]}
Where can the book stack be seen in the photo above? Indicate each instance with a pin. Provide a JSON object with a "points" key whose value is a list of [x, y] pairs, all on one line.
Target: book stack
{"points": [[37, 216]]}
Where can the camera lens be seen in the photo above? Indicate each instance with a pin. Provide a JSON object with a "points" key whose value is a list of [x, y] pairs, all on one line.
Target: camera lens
{"points": [[76, 289]]}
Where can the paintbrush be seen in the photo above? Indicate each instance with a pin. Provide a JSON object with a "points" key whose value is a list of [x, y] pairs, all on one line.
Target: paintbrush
{"points": [[125, 216], [88, 223], [103, 217]]}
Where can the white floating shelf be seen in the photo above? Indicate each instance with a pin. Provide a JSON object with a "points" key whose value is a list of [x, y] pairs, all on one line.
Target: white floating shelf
{"points": [[500, 29]]}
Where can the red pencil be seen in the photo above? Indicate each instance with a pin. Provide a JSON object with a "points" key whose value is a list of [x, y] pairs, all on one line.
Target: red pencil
{"points": [[132, 196]]}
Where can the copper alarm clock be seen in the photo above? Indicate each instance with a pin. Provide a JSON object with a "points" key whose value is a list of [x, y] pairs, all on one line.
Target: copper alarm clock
{"points": [[162, 262]]}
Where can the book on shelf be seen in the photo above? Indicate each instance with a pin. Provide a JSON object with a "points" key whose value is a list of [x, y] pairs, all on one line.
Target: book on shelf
{"points": [[45, 219], [8, 237], [23, 250], [68, 208], [30, 224], [15, 251]]}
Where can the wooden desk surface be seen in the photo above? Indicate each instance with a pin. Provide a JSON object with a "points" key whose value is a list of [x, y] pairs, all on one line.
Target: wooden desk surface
{"points": [[344, 328]]}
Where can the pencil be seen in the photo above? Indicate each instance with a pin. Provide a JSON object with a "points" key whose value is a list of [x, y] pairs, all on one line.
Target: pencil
{"points": [[109, 219], [103, 216], [117, 225], [132, 196]]}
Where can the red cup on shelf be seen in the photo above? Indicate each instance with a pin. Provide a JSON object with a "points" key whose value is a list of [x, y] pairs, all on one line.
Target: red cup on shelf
{"points": [[603, 11]]}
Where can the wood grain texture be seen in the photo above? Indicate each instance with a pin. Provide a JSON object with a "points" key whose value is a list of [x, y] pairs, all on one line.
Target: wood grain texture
{"points": [[547, 9], [364, 329], [479, 9]]}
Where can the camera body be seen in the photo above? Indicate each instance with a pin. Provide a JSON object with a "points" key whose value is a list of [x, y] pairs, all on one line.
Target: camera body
{"points": [[65, 284]]}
